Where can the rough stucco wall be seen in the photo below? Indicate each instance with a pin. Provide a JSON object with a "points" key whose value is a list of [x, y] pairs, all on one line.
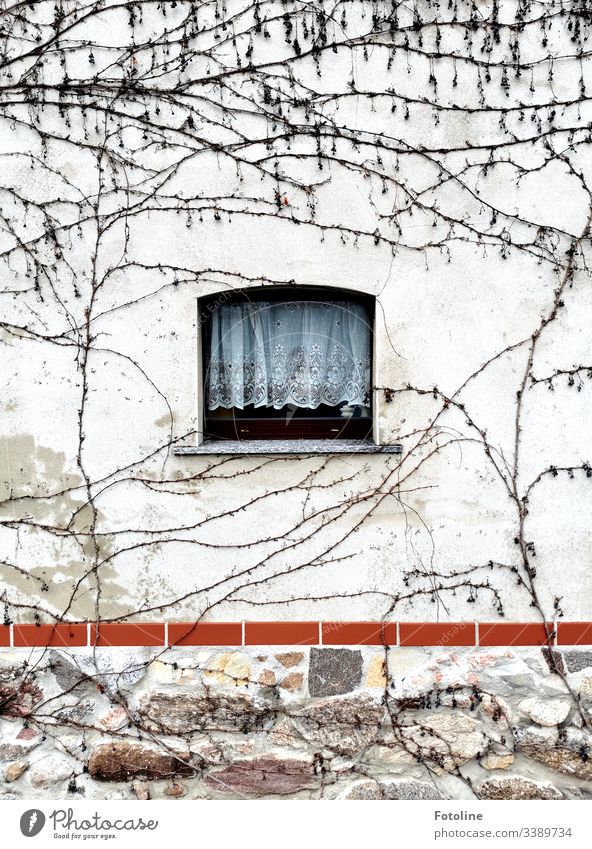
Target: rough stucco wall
{"points": [[308, 724], [166, 536]]}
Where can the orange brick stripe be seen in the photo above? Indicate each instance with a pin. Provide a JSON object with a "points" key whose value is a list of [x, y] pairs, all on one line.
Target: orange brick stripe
{"points": [[515, 633], [359, 633], [159, 634], [439, 634]]}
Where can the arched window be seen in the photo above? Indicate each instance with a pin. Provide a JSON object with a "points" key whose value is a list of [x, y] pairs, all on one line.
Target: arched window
{"points": [[287, 363]]}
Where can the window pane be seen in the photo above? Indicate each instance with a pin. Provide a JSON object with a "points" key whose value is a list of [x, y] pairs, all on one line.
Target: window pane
{"points": [[300, 353]]}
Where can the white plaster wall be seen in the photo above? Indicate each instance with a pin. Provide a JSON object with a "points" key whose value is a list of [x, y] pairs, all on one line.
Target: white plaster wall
{"points": [[441, 314]]}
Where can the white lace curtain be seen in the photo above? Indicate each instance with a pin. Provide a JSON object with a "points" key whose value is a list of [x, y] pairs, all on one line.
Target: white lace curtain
{"points": [[304, 353]]}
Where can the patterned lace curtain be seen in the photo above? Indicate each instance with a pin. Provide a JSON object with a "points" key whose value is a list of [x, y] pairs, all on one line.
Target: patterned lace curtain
{"points": [[304, 353]]}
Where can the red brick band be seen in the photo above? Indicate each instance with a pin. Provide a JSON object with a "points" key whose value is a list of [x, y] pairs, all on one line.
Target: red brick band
{"points": [[443, 634]]}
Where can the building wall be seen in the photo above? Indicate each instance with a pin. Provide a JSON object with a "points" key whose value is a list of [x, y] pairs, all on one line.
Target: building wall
{"points": [[463, 207]]}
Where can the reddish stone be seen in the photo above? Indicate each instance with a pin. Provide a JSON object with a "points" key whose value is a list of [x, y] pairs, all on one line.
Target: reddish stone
{"points": [[290, 659], [122, 761], [265, 776], [292, 682], [26, 734], [18, 700]]}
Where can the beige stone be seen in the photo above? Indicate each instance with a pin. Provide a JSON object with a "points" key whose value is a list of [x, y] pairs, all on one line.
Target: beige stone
{"points": [[403, 661], [290, 659], [346, 724], [228, 669], [546, 712], [395, 756], [586, 688], [14, 770], [376, 675], [494, 761], [560, 758], [51, 770], [182, 713], [114, 719], [141, 789], [283, 734], [454, 736]]}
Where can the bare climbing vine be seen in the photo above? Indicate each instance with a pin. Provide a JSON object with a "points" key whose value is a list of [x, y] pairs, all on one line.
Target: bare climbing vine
{"points": [[238, 116]]}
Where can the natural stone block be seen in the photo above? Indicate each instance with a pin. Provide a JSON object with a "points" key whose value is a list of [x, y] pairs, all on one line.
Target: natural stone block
{"points": [[344, 725], [292, 682], [19, 698], [455, 737], [183, 713], [228, 669], [546, 712], [376, 674], [576, 660], [390, 755], [333, 672], [495, 761], [141, 789], [517, 788], [122, 761], [264, 776], [554, 660], [67, 674], [114, 718], [290, 659], [16, 751], [28, 734], [176, 790], [561, 758], [393, 790], [52, 770], [14, 770], [267, 678]]}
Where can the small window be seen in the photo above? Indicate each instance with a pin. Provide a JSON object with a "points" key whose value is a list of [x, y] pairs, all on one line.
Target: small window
{"points": [[287, 364]]}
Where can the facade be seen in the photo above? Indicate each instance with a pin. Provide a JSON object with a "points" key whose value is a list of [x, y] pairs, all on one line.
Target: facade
{"points": [[431, 161]]}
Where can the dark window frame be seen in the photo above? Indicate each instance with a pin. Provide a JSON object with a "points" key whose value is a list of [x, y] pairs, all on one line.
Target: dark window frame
{"points": [[272, 425]]}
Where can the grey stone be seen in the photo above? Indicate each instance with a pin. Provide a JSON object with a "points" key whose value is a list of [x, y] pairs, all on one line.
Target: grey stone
{"points": [[16, 751], [110, 667], [67, 673], [536, 735], [289, 446], [184, 713], [546, 712], [51, 770], [343, 725], [554, 660], [393, 790], [333, 672], [577, 660], [517, 788]]}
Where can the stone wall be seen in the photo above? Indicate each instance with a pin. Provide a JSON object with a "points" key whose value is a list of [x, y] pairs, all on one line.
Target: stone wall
{"points": [[356, 723]]}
